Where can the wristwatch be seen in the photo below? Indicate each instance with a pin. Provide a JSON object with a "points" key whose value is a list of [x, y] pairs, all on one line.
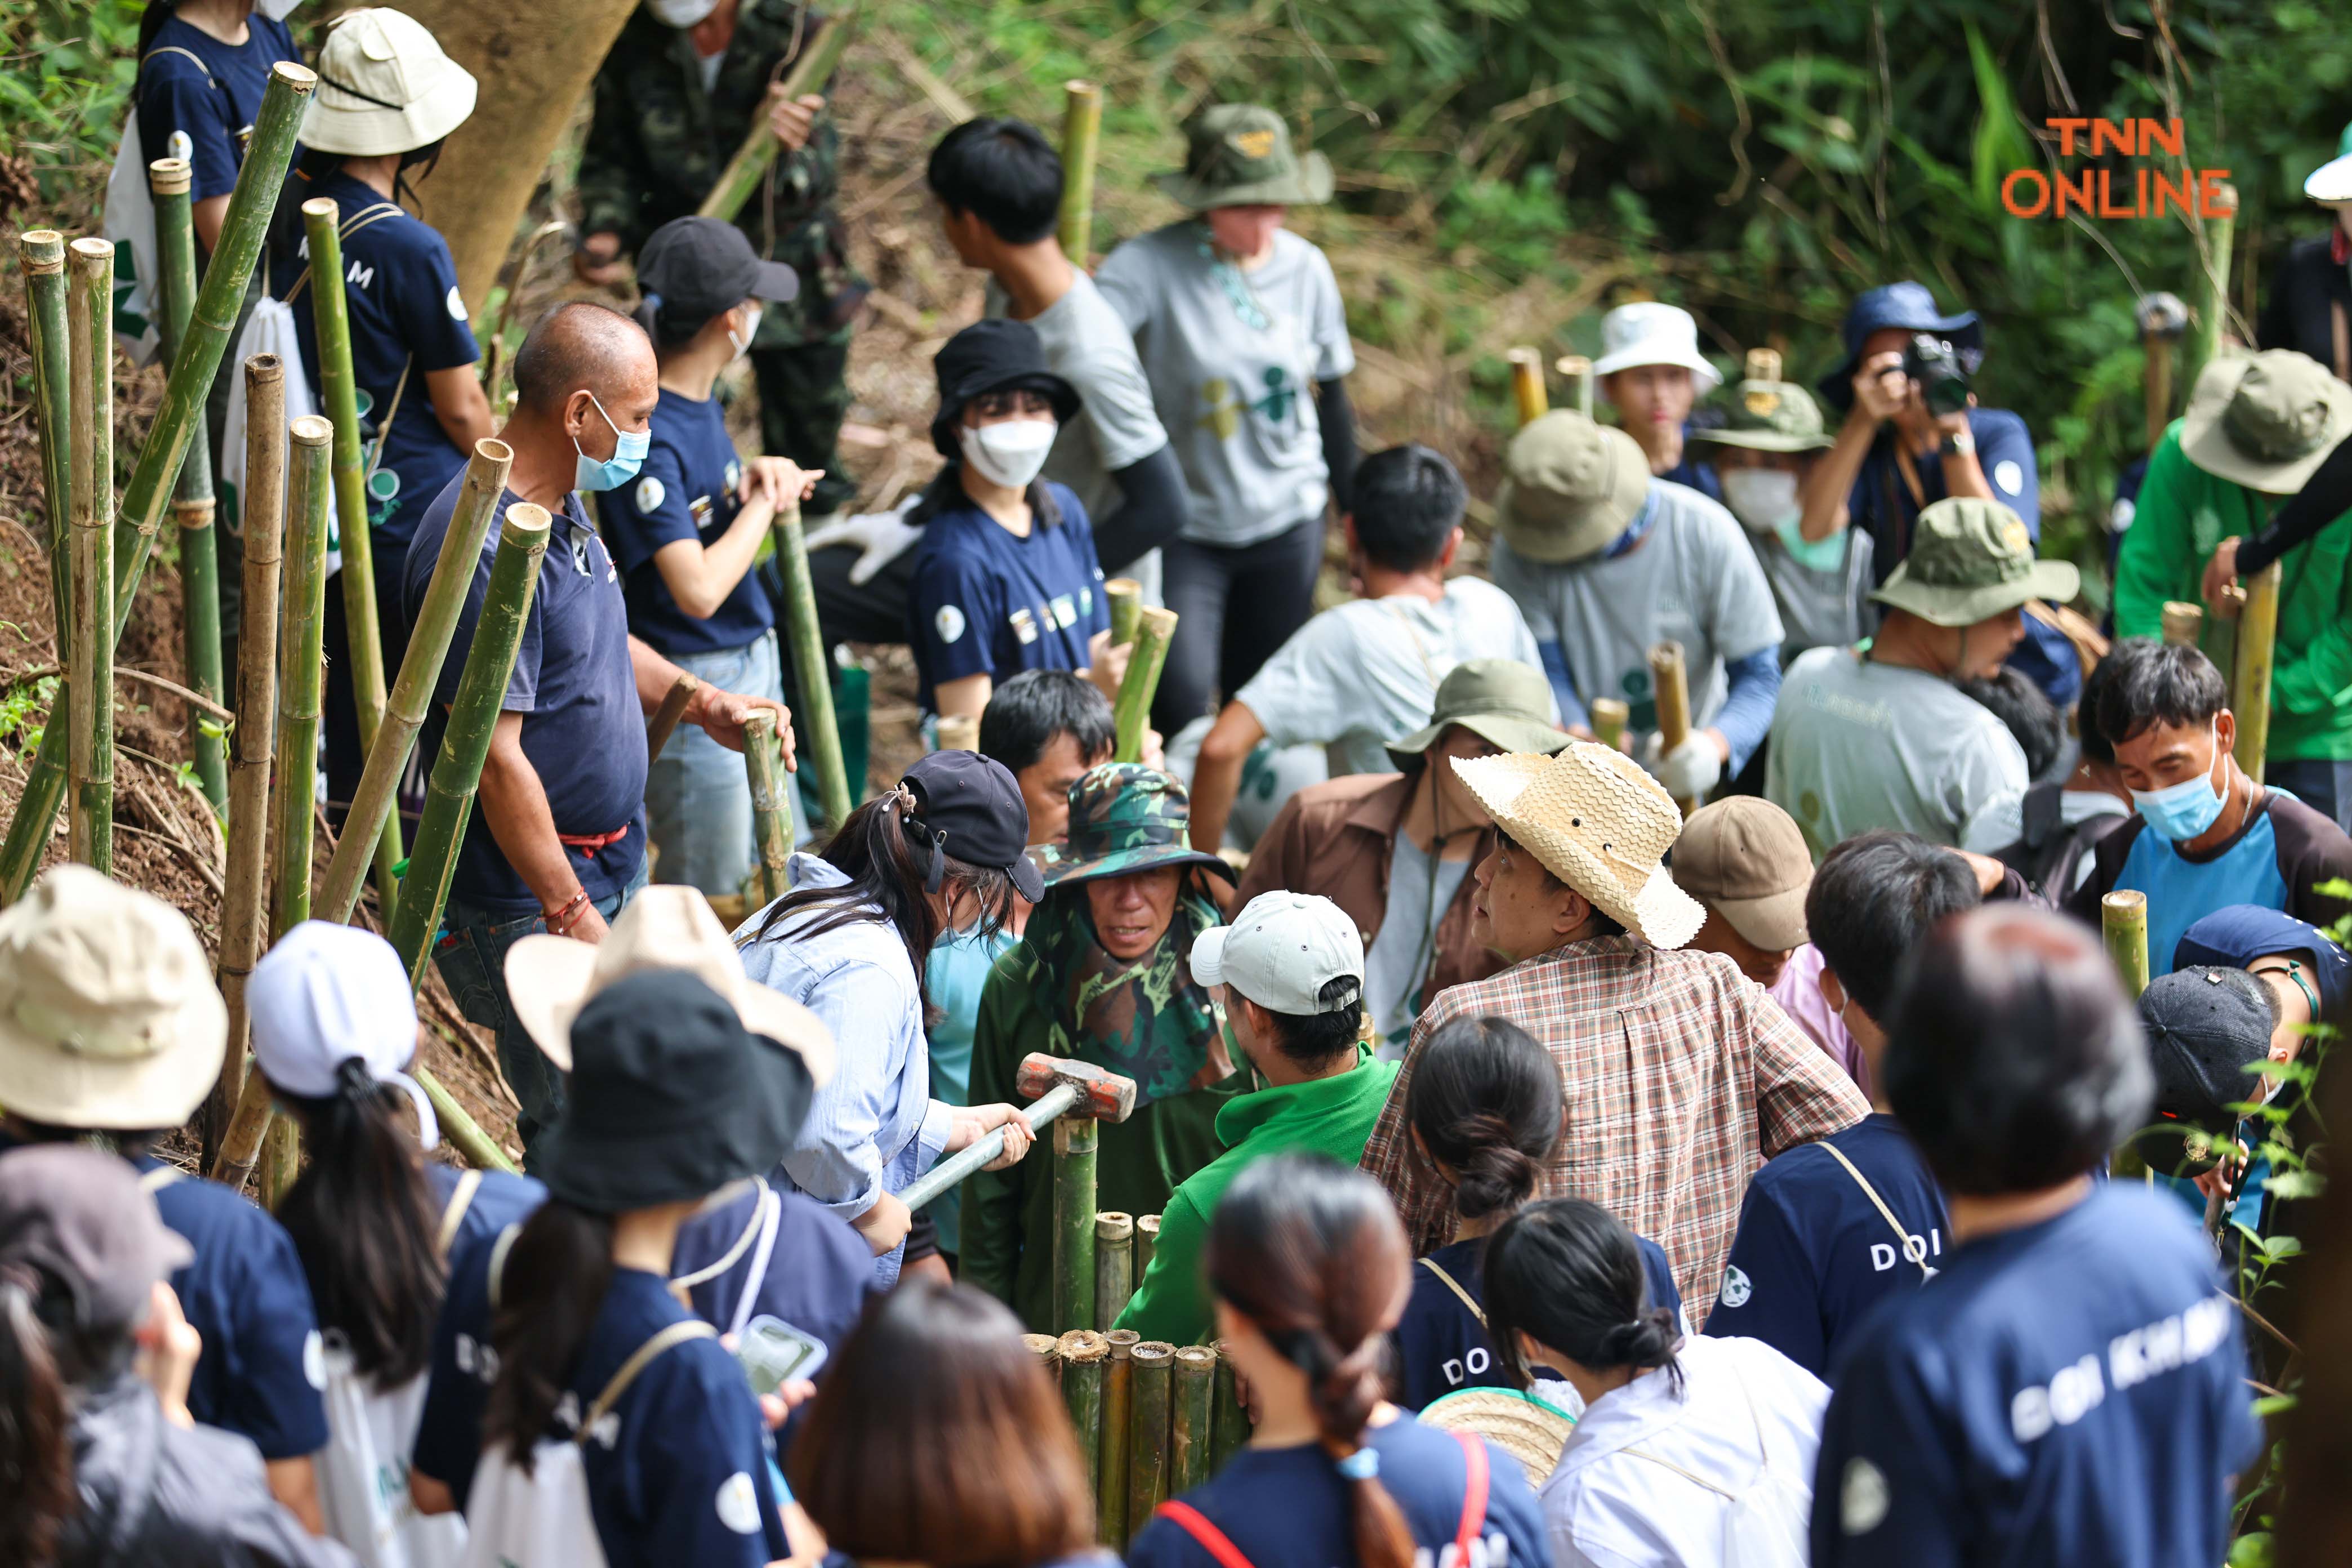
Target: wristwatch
{"points": [[1963, 442]]}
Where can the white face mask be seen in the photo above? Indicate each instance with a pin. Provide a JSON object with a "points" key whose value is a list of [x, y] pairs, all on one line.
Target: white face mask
{"points": [[680, 13], [276, 10], [1009, 452], [750, 331], [1759, 497]]}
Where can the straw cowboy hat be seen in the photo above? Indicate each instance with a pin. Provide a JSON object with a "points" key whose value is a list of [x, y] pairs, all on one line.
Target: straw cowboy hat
{"points": [[1599, 823], [2265, 421], [551, 978], [1531, 1430], [385, 85]]}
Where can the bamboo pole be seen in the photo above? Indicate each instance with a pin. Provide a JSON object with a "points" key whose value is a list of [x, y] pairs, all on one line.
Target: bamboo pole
{"points": [[1114, 1264], [1147, 1238], [1190, 1418], [420, 670], [771, 813], [1577, 371], [959, 732], [466, 743], [2162, 319], [664, 723], [1669, 685], [281, 1158], [338, 397], [464, 1134], [2249, 698], [309, 503], [1125, 597], [1075, 1140], [1609, 716], [89, 663], [1231, 1422], [192, 503], [1762, 364], [243, 230], [2183, 623], [1084, 1354], [1151, 1393], [1048, 1352], [2214, 296], [2123, 922], [1082, 109], [42, 254], [749, 167], [811, 668], [1118, 1415], [1528, 398], [1133, 713]]}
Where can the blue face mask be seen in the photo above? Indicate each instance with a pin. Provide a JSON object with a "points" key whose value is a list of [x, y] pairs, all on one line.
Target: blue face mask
{"points": [[629, 449], [2183, 811]]}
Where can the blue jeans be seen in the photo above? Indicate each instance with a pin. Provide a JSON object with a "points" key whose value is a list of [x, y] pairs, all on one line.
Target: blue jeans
{"points": [[472, 957], [2322, 786], [698, 796]]}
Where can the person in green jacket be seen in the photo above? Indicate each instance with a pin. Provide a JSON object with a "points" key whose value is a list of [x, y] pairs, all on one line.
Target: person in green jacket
{"points": [[1292, 968], [1099, 976], [2257, 426]]}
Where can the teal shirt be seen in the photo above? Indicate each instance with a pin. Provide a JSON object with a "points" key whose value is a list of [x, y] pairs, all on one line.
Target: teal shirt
{"points": [[954, 978], [1330, 1116]]}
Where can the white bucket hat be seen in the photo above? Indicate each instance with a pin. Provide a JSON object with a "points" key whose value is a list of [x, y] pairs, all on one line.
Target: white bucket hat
{"points": [[329, 993], [1650, 333], [2332, 181], [109, 1019], [384, 86], [1599, 823]]}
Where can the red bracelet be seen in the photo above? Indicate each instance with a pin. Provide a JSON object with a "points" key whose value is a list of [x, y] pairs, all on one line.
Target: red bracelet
{"points": [[561, 921]]}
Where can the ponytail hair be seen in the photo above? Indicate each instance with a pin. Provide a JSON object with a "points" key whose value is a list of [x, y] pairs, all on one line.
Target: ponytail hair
{"points": [[1313, 1256], [365, 1226], [35, 1451], [1566, 1274], [548, 1291], [1486, 1099], [152, 17]]}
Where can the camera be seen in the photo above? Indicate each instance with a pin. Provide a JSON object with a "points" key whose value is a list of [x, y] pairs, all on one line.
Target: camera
{"points": [[1941, 371]]}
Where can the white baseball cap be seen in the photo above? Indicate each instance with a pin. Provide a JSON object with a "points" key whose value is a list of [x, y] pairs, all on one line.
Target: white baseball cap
{"points": [[1281, 951], [330, 994], [1647, 333]]}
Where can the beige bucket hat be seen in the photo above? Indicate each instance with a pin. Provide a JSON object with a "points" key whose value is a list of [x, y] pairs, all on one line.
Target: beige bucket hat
{"points": [[551, 978], [2265, 421], [385, 85], [1570, 487], [1599, 823], [108, 1019]]}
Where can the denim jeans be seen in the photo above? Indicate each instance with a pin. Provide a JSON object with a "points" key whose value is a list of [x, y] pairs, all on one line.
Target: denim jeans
{"points": [[472, 957], [698, 796]]}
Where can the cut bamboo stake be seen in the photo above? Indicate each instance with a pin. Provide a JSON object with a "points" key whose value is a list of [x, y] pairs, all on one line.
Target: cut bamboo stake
{"points": [[463, 1133], [1147, 1238], [1084, 1354], [1082, 109], [420, 671], [1528, 397], [1075, 1140], [1763, 364], [309, 506], [1114, 1264], [466, 743], [1125, 597], [959, 732], [2183, 623], [1190, 1418], [1047, 1350], [2123, 925], [1232, 1420], [749, 167], [1146, 1429], [811, 668], [772, 817], [281, 1159], [2213, 297], [2249, 698], [1669, 685], [42, 252], [1609, 716], [1577, 371], [1117, 1413], [243, 229], [2162, 319], [90, 665], [1132, 714], [192, 503], [338, 397], [664, 723]]}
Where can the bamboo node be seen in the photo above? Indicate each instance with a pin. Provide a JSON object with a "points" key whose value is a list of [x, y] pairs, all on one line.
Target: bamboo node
{"points": [[168, 176], [192, 515], [43, 251]]}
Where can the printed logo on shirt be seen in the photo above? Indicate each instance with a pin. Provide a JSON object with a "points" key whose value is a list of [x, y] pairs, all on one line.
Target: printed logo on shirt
{"points": [[1065, 611], [650, 494], [456, 304], [1737, 1288], [2008, 477], [1476, 1363], [1024, 623], [1917, 1250], [734, 475], [2165, 1345], [314, 1361], [1087, 597], [949, 622], [1862, 1499], [739, 1504], [699, 509], [476, 1358]]}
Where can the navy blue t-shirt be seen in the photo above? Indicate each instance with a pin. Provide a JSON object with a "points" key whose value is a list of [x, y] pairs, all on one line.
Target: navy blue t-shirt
{"points": [[685, 490], [261, 1373], [215, 103], [1695, 470], [819, 1272], [408, 320], [986, 602], [500, 1199], [2069, 1395], [684, 1475], [1441, 1346], [583, 728], [1813, 1254], [1289, 1506]]}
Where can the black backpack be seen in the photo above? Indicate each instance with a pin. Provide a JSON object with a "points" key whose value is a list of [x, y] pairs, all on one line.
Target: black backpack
{"points": [[2048, 851]]}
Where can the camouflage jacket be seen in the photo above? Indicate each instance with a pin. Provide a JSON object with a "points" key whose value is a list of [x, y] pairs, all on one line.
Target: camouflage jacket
{"points": [[657, 140]]}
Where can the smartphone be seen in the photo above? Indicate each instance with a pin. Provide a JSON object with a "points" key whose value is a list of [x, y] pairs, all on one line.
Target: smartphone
{"points": [[774, 1353]]}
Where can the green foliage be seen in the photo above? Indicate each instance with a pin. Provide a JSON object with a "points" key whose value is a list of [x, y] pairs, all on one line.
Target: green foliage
{"points": [[65, 91]]}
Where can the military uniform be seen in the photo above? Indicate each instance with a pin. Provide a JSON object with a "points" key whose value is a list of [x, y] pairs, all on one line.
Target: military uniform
{"points": [[657, 143]]}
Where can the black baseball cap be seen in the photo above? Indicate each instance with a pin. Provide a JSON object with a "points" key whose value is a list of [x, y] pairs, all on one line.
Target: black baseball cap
{"points": [[993, 355], [694, 268], [80, 1217], [2206, 1034], [968, 806]]}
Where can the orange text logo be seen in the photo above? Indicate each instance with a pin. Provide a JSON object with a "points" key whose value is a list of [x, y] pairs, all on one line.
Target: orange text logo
{"points": [[2116, 193]]}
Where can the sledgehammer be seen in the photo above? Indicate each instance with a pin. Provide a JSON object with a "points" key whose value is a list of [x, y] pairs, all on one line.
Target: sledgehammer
{"points": [[1057, 1088]]}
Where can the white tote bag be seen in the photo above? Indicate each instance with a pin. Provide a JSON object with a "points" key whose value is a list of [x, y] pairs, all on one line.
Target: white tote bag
{"points": [[129, 222], [269, 329], [363, 1473]]}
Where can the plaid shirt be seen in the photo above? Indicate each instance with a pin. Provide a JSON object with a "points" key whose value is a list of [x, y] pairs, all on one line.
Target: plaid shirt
{"points": [[1682, 1076]]}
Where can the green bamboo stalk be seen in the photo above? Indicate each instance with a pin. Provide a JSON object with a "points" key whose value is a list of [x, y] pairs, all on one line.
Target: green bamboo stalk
{"points": [[1151, 1392], [2123, 922], [420, 668], [1084, 1354], [281, 1159], [809, 666], [2213, 297], [1190, 1418], [771, 814], [463, 1133], [1577, 371], [42, 255], [1118, 1416], [89, 315], [1146, 1239], [1609, 715], [2257, 642], [1075, 1140], [301, 670], [1114, 1264], [1082, 109], [192, 503], [338, 397], [243, 230], [1133, 713], [1231, 1422], [1125, 597], [465, 744], [750, 166]]}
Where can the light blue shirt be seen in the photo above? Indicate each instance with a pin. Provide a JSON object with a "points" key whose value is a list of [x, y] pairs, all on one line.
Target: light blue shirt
{"points": [[875, 1127]]}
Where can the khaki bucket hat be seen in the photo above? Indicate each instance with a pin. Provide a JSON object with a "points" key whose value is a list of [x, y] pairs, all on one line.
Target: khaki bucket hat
{"points": [[1769, 416], [1972, 559], [1599, 823], [2265, 421], [1502, 702], [109, 1017], [551, 979], [1239, 155], [1571, 486], [385, 85]]}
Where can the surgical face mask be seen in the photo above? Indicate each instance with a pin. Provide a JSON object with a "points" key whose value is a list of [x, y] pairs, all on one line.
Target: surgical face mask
{"points": [[629, 449], [2183, 811], [680, 13], [1009, 452], [278, 10], [1759, 497], [751, 331], [1814, 555]]}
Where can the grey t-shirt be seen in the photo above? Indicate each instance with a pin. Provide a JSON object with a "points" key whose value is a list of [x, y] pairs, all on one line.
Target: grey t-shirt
{"points": [[1237, 400], [1088, 346], [1402, 951], [1364, 673], [1694, 579], [1858, 746], [1819, 608]]}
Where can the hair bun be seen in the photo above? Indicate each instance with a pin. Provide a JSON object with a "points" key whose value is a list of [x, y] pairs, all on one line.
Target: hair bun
{"points": [[1649, 1339]]}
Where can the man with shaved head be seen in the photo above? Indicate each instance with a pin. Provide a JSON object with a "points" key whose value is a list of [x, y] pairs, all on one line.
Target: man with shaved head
{"points": [[557, 842]]}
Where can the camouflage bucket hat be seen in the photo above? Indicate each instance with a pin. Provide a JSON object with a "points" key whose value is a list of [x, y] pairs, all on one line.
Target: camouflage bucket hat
{"points": [[1126, 817], [1239, 154], [1971, 560], [2265, 421], [1769, 416]]}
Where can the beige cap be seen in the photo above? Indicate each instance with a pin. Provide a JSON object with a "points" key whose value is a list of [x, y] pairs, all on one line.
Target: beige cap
{"points": [[551, 978], [1745, 860], [108, 1019]]}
